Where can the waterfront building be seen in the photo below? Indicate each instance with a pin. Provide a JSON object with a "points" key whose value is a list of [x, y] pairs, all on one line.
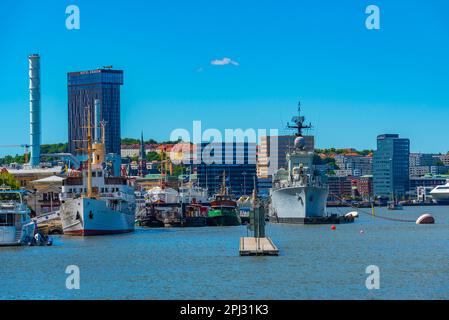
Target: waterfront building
{"points": [[356, 164], [45, 195], [435, 170], [130, 151], [339, 187], [237, 160], [418, 171], [421, 184], [364, 186], [26, 176], [444, 159], [83, 88], [343, 173], [285, 143], [391, 164], [422, 160]]}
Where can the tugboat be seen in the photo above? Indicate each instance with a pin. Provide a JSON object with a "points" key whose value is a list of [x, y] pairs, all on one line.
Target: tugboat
{"points": [[16, 227], [299, 193], [223, 210], [194, 215], [96, 203]]}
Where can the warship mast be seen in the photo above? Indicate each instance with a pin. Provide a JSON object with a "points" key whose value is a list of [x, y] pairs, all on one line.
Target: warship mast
{"points": [[299, 122]]}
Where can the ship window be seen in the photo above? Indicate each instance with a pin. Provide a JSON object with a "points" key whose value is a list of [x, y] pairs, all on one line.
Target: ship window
{"points": [[94, 174], [100, 173]]}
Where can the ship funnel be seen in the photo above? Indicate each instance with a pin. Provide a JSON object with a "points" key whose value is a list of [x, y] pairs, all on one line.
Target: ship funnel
{"points": [[35, 109], [97, 125]]}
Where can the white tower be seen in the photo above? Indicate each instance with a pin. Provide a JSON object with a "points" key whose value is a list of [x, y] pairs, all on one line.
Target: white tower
{"points": [[35, 109]]}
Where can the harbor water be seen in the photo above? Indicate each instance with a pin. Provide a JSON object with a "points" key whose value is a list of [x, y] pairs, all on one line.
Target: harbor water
{"points": [[315, 262]]}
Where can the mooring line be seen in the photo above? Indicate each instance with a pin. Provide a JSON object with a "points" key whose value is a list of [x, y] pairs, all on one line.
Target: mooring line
{"points": [[372, 213]]}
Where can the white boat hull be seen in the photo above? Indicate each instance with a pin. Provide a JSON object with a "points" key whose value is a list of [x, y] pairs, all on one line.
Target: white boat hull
{"points": [[296, 204], [90, 217], [9, 236]]}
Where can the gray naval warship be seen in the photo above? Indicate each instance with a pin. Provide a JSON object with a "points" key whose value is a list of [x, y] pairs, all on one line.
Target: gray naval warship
{"points": [[299, 192]]}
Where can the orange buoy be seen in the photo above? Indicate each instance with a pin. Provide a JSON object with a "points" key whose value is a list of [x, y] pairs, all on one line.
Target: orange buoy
{"points": [[333, 227]]}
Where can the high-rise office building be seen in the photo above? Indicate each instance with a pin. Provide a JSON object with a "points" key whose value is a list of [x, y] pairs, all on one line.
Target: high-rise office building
{"points": [[83, 88], [391, 166], [284, 144], [237, 160]]}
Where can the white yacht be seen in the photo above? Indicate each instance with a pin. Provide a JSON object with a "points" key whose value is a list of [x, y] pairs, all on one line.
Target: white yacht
{"points": [[441, 193], [16, 227]]}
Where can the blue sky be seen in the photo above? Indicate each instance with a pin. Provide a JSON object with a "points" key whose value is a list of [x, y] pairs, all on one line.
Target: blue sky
{"points": [[353, 83]]}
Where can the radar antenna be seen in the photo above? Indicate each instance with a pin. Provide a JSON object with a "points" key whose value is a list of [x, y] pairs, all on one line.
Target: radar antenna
{"points": [[298, 122]]}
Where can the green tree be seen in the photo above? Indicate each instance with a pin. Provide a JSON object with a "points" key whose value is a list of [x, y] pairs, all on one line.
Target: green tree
{"points": [[178, 170], [128, 141], [55, 148], [9, 180], [153, 156]]}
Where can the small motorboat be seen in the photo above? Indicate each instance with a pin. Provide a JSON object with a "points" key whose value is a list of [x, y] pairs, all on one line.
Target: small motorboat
{"points": [[40, 240], [352, 214], [395, 206]]}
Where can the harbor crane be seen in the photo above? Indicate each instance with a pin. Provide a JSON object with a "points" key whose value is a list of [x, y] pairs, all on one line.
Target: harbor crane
{"points": [[26, 146]]}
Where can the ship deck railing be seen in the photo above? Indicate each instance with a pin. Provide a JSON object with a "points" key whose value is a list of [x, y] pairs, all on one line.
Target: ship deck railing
{"points": [[103, 195], [13, 207]]}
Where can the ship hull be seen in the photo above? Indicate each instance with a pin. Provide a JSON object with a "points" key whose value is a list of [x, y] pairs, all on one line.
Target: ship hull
{"points": [[223, 220], [194, 222], [441, 200], [333, 219], [301, 205], [91, 217]]}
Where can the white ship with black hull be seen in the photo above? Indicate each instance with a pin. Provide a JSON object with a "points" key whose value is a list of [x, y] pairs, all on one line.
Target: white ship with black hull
{"points": [[95, 203], [299, 193]]}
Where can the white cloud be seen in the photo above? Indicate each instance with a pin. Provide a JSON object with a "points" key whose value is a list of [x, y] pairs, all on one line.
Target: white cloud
{"points": [[223, 62]]}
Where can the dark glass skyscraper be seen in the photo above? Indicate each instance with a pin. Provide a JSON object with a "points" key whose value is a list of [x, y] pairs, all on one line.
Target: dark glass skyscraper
{"points": [[391, 164], [236, 160], [83, 88]]}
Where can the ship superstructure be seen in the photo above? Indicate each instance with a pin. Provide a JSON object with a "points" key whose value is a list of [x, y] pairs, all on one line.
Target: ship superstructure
{"points": [[441, 193], [94, 202], [299, 193]]}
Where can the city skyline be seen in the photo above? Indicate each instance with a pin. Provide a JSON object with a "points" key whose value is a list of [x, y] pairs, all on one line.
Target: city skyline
{"points": [[354, 83]]}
